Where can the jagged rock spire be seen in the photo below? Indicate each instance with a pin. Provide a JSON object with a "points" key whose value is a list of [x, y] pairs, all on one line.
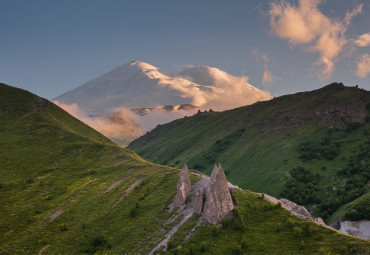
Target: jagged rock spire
{"points": [[218, 202], [183, 186]]}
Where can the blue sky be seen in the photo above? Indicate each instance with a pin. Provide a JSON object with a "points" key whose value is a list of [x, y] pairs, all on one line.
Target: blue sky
{"points": [[50, 46]]}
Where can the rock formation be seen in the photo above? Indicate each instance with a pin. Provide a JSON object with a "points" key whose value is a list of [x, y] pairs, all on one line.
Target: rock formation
{"points": [[183, 186], [218, 201], [209, 197]]}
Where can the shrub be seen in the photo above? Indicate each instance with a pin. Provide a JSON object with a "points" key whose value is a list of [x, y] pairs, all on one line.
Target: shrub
{"points": [[133, 212], [29, 180], [203, 246], [63, 228], [170, 245], [215, 231], [236, 249]]}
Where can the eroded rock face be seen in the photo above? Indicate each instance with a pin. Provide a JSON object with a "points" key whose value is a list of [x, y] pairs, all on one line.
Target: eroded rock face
{"points": [[218, 202], [183, 186]]}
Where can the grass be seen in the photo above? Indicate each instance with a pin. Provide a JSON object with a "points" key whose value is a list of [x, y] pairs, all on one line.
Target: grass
{"points": [[55, 195], [245, 233]]}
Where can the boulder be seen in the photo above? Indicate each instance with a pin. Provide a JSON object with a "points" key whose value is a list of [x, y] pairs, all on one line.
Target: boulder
{"points": [[183, 186], [218, 202]]}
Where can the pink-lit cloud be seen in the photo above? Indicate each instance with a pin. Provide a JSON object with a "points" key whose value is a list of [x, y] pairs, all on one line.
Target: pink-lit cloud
{"points": [[304, 24], [363, 40], [363, 66]]}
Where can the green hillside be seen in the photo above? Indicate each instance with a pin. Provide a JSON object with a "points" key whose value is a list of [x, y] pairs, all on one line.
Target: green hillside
{"points": [[66, 189], [310, 147]]}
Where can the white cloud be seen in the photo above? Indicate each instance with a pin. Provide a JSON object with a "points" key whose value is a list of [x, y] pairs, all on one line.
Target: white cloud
{"points": [[363, 40], [363, 66], [305, 25]]}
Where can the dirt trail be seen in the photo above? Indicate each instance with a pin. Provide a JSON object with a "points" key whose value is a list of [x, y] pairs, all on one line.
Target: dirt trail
{"points": [[129, 189], [57, 213], [43, 249], [75, 197], [118, 182], [188, 212]]}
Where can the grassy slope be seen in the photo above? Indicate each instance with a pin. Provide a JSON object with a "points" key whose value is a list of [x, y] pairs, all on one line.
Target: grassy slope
{"points": [[51, 161], [255, 159]]}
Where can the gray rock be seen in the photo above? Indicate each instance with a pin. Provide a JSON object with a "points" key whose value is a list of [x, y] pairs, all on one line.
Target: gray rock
{"points": [[198, 202], [336, 223], [218, 202], [356, 228], [320, 221], [297, 209], [183, 186]]}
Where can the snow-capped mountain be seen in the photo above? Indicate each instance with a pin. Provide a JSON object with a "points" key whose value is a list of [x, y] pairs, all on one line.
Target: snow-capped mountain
{"points": [[141, 85], [133, 98]]}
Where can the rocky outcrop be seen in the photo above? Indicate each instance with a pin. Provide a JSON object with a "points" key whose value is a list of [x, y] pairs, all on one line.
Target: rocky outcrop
{"points": [[218, 201], [296, 209], [183, 186], [210, 197], [356, 228]]}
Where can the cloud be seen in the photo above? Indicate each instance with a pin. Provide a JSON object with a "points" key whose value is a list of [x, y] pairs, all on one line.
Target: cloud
{"points": [[121, 124], [305, 25], [350, 15], [363, 66], [117, 123], [363, 40], [235, 92], [268, 78], [161, 116]]}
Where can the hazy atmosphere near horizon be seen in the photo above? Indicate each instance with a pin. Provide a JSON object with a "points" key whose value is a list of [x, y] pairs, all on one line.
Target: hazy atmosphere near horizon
{"points": [[50, 47]]}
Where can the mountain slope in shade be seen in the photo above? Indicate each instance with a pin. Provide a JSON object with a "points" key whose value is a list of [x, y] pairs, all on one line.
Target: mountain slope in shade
{"points": [[141, 85]]}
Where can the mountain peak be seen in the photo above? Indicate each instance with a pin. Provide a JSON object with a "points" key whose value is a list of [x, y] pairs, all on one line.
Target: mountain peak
{"points": [[142, 65]]}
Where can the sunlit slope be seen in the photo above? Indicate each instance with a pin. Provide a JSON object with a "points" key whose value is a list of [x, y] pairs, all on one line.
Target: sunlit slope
{"points": [[64, 188], [324, 131]]}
